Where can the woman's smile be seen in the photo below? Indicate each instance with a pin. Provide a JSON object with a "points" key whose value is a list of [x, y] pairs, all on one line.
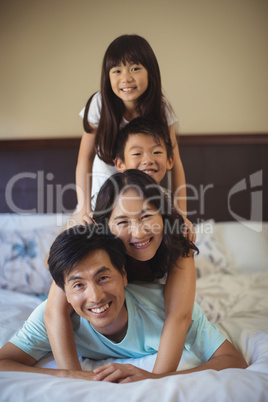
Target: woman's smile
{"points": [[143, 244]]}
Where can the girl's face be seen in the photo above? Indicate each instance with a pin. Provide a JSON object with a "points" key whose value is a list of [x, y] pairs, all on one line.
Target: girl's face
{"points": [[138, 224], [129, 82]]}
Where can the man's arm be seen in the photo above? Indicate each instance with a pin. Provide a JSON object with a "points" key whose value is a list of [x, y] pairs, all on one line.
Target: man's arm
{"points": [[13, 358], [226, 356]]}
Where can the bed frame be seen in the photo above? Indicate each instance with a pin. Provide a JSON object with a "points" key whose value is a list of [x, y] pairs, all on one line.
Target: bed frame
{"points": [[227, 176]]}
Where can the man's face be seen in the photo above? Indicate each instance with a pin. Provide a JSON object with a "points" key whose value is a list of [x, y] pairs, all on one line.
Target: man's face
{"points": [[95, 289], [144, 153]]}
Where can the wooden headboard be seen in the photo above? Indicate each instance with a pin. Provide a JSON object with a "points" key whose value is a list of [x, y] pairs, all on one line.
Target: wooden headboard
{"points": [[227, 176]]}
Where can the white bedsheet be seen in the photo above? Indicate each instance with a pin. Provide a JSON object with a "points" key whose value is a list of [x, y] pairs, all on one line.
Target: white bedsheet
{"points": [[237, 303], [242, 301]]}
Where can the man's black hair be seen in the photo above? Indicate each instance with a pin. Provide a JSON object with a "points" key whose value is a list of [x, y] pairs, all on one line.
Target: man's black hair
{"points": [[74, 244]]}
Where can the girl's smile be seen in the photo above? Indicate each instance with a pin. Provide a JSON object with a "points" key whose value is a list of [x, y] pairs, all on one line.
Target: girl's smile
{"points": [[129, 81], [138, 224]]}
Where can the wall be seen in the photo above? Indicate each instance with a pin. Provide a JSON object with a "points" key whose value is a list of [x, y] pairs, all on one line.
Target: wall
{"points": [[212, 55]]}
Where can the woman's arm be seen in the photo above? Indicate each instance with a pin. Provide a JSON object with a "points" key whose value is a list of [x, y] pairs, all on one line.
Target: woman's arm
{"points": [[84, 174], [179, 301], [179, 186], [59, 329]]}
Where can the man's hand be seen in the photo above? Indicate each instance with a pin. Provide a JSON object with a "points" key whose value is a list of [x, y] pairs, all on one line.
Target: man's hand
{"points": [[122, 373]]}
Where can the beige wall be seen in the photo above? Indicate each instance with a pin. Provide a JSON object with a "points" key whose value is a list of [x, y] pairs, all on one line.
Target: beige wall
{"points": [[212, 55]]}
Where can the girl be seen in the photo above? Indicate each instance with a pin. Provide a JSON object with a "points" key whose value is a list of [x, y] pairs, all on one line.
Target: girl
{"points": [[136, 210], [130, 87]]}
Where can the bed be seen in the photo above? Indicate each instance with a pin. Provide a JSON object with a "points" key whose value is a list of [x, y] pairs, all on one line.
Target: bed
{"points": [[232, 273]]}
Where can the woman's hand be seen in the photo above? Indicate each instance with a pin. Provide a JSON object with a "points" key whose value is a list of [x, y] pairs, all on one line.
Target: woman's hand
{"points": [[122, 373]]}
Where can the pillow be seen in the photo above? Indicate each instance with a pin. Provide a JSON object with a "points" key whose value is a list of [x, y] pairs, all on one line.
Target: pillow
{"points": [[247, 243], [212, 256], [22, 259]]}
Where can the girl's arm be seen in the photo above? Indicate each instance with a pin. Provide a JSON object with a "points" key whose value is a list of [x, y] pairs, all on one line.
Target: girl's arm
{"points": [[179, 300], [59, 329], [83, 175], [179, 187]]}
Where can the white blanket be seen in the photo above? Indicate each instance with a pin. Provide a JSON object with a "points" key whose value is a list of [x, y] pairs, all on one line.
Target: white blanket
{"points": [[244, 319]]}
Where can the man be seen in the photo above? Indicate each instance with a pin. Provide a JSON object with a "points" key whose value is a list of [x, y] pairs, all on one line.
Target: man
{"points": [[111, 319]]}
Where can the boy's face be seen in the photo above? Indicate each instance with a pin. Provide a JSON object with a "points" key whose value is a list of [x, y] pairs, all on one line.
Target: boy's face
{"points": [[143, 152], [95, 289]]}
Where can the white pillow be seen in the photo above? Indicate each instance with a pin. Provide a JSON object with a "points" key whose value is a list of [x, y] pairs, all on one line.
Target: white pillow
{"points": [[213, 256], [247, 243], [22, 258], [32, 221]]}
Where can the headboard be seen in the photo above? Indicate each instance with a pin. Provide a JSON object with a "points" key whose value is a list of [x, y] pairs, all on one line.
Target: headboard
{"points": [[227, 176]]}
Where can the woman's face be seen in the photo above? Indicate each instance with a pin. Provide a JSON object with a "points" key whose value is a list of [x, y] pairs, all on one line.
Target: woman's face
{"points": [[138, 224]]}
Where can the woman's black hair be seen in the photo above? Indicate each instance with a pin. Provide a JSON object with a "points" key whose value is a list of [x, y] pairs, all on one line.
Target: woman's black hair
{"points": [[173, 245]]}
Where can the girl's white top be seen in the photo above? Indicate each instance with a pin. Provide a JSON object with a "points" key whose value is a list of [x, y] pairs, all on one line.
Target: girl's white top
{"points": [[100, 170]]}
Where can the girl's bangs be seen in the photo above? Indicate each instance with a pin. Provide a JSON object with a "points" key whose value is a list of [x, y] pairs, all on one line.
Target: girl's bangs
{"points": [[123, 54]]}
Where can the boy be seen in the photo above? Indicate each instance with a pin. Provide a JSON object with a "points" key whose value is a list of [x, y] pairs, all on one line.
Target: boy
{"points": [[144, 145]]}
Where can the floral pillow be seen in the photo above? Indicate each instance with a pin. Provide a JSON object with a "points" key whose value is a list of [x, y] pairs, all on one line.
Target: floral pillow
{"points": [[22, 259], [212, 256]]}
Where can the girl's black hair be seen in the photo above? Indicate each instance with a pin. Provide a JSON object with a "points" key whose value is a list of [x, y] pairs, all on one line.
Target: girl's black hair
{"points": [[173, 245], [125, 48]]}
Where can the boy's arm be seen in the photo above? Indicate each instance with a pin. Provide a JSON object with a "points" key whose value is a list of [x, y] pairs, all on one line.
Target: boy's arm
{"points": [[13, 358], [179, 186], [179, 300], [226, 356], [59, 329]]}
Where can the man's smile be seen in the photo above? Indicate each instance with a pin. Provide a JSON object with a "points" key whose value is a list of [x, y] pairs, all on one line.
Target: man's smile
{"points": [[102, 309]]}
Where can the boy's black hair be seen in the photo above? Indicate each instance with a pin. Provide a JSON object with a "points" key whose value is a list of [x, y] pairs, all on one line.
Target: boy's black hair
{"points": [[74, 244], [142, 125]]}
